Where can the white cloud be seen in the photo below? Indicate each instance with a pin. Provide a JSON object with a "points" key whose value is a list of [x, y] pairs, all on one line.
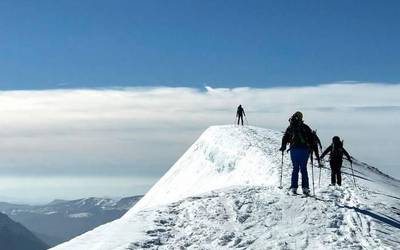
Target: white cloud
{"points": [[142, 131], [44, 189]]}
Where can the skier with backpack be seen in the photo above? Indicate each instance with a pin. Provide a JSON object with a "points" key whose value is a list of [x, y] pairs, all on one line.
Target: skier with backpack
{"points": [[239, 114], [302, 144], [336, 151]]}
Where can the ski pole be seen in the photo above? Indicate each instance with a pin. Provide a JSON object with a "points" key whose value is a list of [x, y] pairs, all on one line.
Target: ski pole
{"points": [[312, 173], [319, 178], [245, 117], [280, 186], [354, 178]]}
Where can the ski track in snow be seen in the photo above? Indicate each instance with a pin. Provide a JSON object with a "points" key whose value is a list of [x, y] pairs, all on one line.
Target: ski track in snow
{"points": [[266, 218], [216, 197]]}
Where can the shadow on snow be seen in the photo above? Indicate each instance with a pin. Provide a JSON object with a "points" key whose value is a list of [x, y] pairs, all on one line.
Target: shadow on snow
{"points": [[382, 218]]}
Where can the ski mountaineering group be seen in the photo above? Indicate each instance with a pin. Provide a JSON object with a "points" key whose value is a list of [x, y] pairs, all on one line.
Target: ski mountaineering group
{"points": [[304, 142]]}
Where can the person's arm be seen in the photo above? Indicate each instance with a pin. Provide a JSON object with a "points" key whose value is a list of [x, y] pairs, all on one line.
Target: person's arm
{"points": [[285, 140], [316, 150], [318, 142], [347, 155], [326, 151], [244, 113], [311, 141]]}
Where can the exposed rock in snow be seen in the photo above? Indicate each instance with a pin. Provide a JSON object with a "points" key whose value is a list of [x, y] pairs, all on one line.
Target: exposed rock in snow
{"points": [[80, 215], [222, 194]]}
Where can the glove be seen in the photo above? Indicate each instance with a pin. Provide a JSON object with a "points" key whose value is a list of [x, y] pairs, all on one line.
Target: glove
{"points": [[351, 162], [320, 164], [283, 148]]}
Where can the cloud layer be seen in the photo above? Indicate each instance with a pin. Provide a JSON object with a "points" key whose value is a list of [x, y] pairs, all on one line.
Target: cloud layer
{"points": [[142, 131]]}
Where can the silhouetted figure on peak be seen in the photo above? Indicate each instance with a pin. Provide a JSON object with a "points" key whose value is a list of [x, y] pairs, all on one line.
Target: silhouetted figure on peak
{"points": [[239, 114]]}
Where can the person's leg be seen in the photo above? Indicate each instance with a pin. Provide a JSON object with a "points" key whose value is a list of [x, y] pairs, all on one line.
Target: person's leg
{"points": [[241, 117], [303, 160], [238, 119], [296, 168], [336, 172], [333, 177], [339, 174], [333, 174]]}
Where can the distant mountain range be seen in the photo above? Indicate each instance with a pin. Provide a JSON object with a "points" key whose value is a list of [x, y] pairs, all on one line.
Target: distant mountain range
{"points": [[14, 236], [61, 220]]}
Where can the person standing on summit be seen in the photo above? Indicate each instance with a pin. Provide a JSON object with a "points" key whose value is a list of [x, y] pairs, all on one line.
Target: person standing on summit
{"points": [[239, 114], [302, 143]]}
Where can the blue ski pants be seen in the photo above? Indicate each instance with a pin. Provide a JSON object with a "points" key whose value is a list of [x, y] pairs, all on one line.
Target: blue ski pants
{"points": [[299, 158]]}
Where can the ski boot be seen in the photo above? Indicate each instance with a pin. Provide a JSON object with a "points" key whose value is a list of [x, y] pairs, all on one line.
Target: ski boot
{"points": [[306, 191]]}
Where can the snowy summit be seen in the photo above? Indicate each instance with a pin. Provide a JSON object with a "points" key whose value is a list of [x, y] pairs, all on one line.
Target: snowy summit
{"points": [[223, 194]]}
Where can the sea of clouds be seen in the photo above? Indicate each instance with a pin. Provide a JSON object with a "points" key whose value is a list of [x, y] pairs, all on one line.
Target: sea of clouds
{"points": [[141, 132]]}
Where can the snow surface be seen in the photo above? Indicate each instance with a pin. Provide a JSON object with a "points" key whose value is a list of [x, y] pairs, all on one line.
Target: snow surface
{"points": [[223, 193]]}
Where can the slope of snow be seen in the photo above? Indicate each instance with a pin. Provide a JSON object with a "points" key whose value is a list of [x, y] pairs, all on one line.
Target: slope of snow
{"points": [[222, 194], [223, 156]]}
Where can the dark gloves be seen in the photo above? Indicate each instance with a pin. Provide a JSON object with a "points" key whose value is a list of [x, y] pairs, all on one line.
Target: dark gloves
{"points": [[283, 148]]}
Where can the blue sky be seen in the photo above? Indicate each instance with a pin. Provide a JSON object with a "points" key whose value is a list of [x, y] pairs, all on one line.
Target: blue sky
{"points": [[69, 44]]}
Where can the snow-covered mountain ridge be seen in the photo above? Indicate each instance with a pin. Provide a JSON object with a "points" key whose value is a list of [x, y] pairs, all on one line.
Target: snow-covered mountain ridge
{"points": [[222, 194]]}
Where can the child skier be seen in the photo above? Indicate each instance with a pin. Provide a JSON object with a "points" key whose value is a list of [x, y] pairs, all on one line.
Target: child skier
{"points": [[336, 151]]}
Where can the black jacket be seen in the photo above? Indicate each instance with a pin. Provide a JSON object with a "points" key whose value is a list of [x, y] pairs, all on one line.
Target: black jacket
{"points": [[307, 140], [240, 112], [337, 157]]}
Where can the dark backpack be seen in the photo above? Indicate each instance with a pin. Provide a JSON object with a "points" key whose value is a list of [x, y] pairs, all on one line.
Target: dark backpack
{"points": [[298, 135], [337, 151]]}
